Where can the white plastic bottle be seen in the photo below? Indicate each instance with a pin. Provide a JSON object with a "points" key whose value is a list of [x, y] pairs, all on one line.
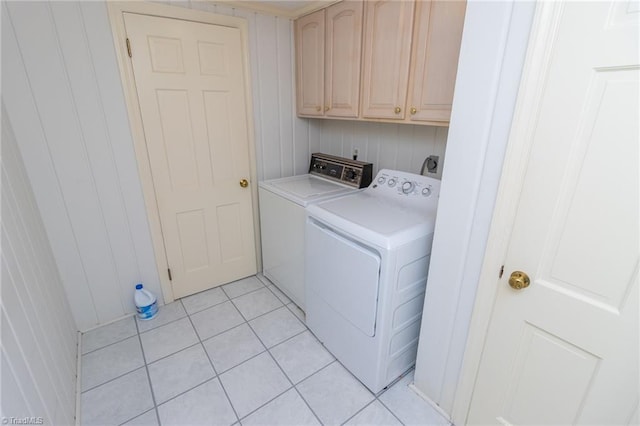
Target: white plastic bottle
{"points": [[146, 303]]}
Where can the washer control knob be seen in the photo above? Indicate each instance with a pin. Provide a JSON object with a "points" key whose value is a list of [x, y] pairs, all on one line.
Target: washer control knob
{"points": [[392, 182], [426, 191], [381, 180], [407, 187]]}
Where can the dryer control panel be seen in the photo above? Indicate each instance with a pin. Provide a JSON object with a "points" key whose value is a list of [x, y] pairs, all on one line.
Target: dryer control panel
{"points": [[394, 183], [349, 172]]}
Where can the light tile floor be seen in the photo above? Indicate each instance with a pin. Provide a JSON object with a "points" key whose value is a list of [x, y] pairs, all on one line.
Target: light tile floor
{"points": [[236, 354]]}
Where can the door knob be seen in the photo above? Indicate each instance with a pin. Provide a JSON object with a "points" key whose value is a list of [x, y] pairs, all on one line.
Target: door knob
{"points": [[413, 111], [519, 280], [398, 110], [318, 108], [244, 183]]}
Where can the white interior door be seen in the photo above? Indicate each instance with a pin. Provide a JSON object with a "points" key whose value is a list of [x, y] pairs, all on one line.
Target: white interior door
{"points": [[565, 349], [189, 81]]}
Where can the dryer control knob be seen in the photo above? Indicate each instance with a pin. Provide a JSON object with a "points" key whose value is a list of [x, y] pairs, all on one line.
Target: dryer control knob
{"points": [[426, 191], [392, 183], [407, 187], [381, 180]]}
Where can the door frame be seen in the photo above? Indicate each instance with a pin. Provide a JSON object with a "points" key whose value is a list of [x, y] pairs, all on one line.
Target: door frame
{"points": [[534, 75], [118, 30]]}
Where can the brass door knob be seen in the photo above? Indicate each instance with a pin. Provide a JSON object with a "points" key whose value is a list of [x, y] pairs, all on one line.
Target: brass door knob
{"points": [[318, 108], [327, 108], [519, 280], [244, 183], [398, 110], [413, 111]]}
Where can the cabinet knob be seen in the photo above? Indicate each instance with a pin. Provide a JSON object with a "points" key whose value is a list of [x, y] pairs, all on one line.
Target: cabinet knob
{"points": [[327, 108], [413, 111], [318, 108], [398, 110]]}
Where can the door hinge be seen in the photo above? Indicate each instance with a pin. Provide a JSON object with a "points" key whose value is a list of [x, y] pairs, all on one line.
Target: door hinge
{"points": [[169, 271], [501, 272], [129, 47]]}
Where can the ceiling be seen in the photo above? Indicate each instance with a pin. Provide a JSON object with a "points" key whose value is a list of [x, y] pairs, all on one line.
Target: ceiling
{"points": [[287, 8]]}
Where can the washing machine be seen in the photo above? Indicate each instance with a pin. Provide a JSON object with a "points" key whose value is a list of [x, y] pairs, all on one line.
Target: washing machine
{"points": [[282, 215], [367, 260]]}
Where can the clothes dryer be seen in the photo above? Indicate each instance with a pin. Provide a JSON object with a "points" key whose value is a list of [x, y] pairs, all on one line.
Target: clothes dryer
{"points": [[367, 260]]}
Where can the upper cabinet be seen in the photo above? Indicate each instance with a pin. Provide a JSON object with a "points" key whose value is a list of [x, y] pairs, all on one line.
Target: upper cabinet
{"points": [[343, 43], [386, 57], [400, 66], [328, 52], [434, 59], [309, 36]]}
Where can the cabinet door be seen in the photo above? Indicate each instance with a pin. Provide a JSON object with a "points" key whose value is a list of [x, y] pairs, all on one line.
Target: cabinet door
{"points": [[342, 59], [436, 48], [387, 49], [310, 63]]}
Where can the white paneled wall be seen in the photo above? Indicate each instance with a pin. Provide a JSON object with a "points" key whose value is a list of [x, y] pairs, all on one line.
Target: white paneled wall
{"points": [[64, 99], [391, 146], [63, 95], [39, 336]]}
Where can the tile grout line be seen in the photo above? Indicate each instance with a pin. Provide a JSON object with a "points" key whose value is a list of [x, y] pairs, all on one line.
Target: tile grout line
{"points": [[278, 365], [390, 410], [264, 313], [250, 291], [138, 415], [110, 344], [287, 339], [226, 394], [293, 386], [224, 292], [302, 396], [336, 360], [173, 353], [146, 367], [112, 379], [186, 391], [358, 412]]}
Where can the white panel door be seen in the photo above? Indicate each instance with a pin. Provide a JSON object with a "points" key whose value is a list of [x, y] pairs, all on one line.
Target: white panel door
{"points": [[189, 80], [565, 349]]}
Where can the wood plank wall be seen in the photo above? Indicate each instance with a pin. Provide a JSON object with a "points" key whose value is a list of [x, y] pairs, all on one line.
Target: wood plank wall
{"points": [[388, 146], [39, 336], [63, 96]]}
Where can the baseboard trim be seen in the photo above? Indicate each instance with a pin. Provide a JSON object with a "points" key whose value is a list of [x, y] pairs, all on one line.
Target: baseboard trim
{"points": [[429, 401]]}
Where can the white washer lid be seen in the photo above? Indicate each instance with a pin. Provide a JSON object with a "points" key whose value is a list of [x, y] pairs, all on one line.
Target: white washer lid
{"points": [[305, 189], [377, 220]]}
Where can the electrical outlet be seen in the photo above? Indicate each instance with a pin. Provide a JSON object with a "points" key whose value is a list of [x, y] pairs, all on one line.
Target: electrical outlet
{"points": [[432, 163]]}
